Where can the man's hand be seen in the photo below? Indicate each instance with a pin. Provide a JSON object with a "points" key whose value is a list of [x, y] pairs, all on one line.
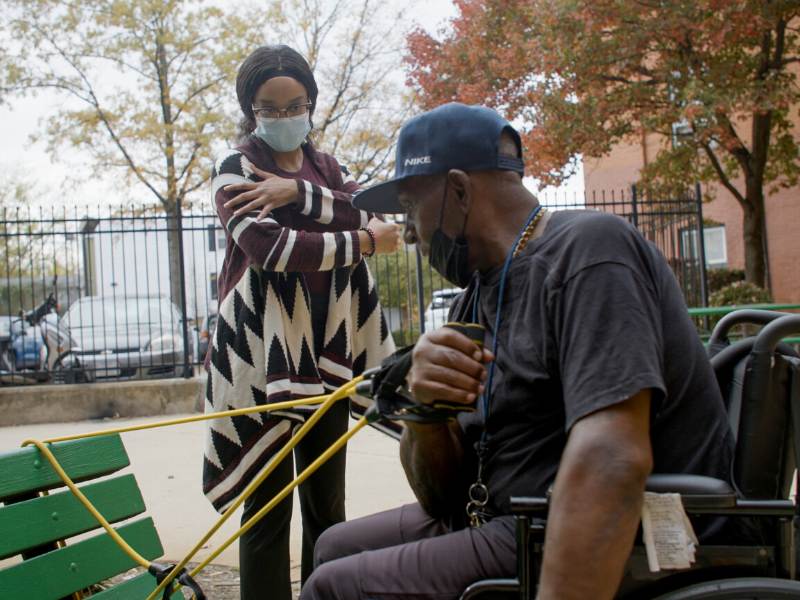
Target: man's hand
{"points": [[266, 195], [597, 501], [447, 365]]}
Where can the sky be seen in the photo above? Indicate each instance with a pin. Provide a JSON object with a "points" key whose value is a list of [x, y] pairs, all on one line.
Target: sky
{"points": [[68, 180]]}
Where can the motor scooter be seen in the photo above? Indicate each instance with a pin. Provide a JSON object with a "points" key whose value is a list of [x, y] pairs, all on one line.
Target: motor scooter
{"points": [[39, 348]]}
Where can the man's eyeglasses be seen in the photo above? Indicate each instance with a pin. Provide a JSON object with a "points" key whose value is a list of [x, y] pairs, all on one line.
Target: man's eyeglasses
{"points": [[270, 112]]}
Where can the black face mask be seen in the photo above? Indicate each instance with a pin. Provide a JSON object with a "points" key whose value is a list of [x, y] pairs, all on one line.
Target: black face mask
{"points": [[450, 256]]}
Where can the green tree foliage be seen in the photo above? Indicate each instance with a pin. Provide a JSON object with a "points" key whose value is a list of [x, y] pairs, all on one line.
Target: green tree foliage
{"points": [[716, 80], [398, 290], [144, 86]]}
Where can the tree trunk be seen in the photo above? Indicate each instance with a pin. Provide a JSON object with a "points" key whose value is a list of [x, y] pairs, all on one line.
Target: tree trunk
{"points": [[173, 247], [754, 226]]}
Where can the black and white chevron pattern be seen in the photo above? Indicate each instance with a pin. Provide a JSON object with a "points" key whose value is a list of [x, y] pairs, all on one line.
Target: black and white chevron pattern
{"points": [[262, 353]]}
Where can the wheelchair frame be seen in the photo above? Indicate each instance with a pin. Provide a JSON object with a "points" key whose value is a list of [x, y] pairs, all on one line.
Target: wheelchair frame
{"points": [[719, 571]]}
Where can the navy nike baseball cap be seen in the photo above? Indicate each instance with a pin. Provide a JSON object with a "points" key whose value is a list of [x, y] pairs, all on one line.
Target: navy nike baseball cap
{"points": [[451, 136]]}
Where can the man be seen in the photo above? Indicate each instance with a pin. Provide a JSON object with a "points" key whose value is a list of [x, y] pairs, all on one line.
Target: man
{"points": [[599, 378]]}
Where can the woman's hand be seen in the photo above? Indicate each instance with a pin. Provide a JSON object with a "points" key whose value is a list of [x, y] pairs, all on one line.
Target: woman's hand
{"points": [[387, 236], [267, 195]]}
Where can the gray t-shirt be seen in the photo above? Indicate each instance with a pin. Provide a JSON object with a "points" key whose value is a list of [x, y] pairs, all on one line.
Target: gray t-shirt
{"points": [[592, 315]]}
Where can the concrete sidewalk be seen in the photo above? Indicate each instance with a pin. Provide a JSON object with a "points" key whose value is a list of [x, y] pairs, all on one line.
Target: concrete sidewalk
{"points": [[167, 464]]}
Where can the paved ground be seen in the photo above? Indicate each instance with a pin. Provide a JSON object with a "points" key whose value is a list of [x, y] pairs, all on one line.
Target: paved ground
{"points": [[167, 464]]}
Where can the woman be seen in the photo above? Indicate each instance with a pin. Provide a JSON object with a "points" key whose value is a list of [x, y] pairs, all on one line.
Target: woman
{"points": [[298, 312]]}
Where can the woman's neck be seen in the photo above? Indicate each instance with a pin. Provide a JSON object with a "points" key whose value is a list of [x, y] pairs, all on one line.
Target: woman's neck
{"points": [[291, 161]]}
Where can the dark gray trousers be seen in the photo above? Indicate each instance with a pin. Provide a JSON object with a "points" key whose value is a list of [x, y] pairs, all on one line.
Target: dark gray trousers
{"points": [[264, 549], [404, 553]]}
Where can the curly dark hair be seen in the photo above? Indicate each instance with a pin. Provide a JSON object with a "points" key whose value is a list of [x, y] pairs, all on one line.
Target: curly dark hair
{"points": [[265, 63]]}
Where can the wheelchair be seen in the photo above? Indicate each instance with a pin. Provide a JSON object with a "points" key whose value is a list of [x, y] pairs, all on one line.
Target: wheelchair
{"points": [[759, 377]]}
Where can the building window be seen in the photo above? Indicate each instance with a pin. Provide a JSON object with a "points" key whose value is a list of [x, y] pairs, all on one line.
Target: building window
{"points": [[212, 237], [212, 282], [714, 240], [216, 238]]}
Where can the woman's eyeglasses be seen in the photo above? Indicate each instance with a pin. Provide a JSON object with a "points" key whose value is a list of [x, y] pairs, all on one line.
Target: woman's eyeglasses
{"points": [[270, 112]]}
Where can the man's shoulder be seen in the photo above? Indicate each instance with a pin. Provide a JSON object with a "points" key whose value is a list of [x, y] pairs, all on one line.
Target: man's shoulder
{"points": [[582, 238], [592, 226]]}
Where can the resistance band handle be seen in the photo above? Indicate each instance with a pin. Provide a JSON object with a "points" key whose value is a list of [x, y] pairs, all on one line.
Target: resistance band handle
{"points": [[388, 387], [473, 331]]}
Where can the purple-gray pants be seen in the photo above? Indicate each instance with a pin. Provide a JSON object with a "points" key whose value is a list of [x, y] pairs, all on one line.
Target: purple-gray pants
{"points": [[404, 552]]}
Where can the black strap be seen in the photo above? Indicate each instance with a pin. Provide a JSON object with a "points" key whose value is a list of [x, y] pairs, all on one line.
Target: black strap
{"points": [[160, 572], [392, 399]]}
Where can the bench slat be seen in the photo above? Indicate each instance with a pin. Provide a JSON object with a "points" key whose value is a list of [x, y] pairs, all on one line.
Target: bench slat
{"points": [[134, 589], [61, 515], [77, 566], [24, 470]]}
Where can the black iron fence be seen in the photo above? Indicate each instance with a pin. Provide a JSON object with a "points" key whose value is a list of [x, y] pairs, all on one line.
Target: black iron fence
{"points": [[125, 292]]}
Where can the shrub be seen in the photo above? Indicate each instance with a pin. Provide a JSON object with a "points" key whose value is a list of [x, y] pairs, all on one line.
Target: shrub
{"points": [[734, 294], [739, 292], [720, 278]]}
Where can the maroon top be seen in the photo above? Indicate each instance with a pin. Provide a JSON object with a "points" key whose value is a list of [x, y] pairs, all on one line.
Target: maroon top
{"points": [[316, 234]]}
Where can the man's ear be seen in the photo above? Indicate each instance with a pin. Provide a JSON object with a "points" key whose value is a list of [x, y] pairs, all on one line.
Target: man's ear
{"points": [[460, 189]]}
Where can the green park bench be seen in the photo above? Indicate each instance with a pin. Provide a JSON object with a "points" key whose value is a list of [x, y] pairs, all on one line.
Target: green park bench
{"points": [[36, 524]]}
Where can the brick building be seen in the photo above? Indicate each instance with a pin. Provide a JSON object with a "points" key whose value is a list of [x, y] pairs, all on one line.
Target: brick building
{"points": [[724, 239]]}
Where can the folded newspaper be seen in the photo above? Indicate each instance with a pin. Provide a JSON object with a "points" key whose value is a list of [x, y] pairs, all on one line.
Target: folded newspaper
{"points": [[668, 534]]}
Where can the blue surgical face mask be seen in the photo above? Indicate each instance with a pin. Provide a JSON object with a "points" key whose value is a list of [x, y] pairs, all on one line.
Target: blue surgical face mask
{"points": [[284, 135]]}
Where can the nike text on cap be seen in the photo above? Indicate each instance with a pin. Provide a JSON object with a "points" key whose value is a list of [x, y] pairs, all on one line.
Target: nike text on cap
{"points": [[451, 136]]}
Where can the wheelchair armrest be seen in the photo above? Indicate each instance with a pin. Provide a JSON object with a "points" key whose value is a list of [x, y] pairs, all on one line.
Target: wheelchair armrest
{"points": [[697, 491], [524, 505]]}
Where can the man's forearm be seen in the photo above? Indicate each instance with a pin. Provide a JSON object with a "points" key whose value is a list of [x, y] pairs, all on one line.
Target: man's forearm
{"points": [[432, 456], [596, 503], [590, 532]]}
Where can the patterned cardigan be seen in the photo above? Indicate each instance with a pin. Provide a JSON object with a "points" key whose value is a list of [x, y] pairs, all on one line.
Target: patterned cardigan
{"points": [[261, 351]]}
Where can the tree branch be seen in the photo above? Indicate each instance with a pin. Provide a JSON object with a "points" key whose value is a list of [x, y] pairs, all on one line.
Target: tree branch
{"points": [[723, 177], [95, 103]]}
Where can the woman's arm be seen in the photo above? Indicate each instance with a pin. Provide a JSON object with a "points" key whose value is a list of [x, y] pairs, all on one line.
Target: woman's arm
{"points": [[332, 206], [278, 248], [327, 205], [269, 244]]}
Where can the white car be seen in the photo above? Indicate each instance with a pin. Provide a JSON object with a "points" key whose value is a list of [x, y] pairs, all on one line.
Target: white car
{"points": [[436, 313]]}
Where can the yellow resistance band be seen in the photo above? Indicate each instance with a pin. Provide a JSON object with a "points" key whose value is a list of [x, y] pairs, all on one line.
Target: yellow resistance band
{"points": [[85, 501], [343, 392], [321, 459], [327, 401], [205, 417]]}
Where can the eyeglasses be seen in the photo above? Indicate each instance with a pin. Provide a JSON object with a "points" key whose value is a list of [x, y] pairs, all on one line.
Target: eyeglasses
{"points": [[293, 110]]}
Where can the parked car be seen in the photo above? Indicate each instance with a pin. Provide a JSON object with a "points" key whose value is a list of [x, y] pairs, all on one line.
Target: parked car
{"points": [[127, 336], [436, 313], [5, 327], [206, 333]]}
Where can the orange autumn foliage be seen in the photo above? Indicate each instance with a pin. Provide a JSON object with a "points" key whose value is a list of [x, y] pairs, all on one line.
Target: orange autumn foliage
{"points": [[578, 76]]}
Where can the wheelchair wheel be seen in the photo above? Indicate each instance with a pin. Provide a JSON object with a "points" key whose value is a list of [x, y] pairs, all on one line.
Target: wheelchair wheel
{"points": [[746, 588]]}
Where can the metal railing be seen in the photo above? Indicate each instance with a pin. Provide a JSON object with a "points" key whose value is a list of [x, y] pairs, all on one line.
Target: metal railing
{"points": [[137, 289]]}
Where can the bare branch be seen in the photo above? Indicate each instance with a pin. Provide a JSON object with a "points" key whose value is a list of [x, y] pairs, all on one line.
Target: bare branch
{"points": [[192, 95], [723, 177]]}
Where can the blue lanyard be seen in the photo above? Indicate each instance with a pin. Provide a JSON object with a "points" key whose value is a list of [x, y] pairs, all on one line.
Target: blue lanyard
{"points": [[485, 398]]}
